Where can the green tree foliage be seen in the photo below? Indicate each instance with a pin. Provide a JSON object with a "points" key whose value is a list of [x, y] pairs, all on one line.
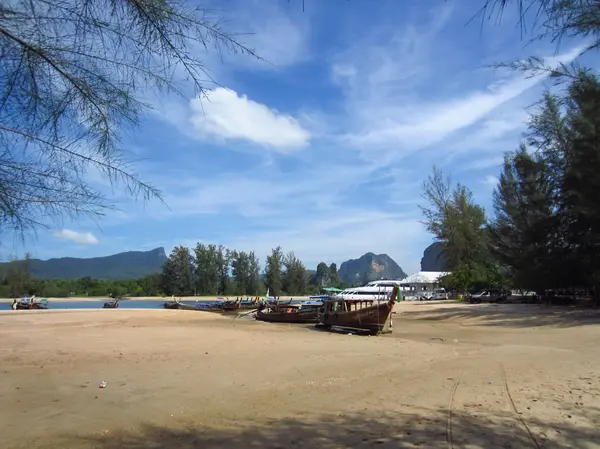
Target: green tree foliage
{"points": [[524, 230], [245, 271], [581, 183], [223, 262], [14, 287], [17, 279], [274, 271], [454, 220], [178, 273], [205, 275], [71, 77], [295, 279], [255, 285], [547, 217], [472, 276]]}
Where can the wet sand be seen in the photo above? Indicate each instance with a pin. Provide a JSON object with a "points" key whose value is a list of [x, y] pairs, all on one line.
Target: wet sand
{"points": [[451, 375]]}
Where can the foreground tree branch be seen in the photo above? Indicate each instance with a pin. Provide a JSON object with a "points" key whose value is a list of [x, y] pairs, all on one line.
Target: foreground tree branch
{"points": [[71, 79]]}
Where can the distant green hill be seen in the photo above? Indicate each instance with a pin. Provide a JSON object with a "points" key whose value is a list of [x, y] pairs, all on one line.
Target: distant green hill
{"points": [[128, 265], [370, 267]]}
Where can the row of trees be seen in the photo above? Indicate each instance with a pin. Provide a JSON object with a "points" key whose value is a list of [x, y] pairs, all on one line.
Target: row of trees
{"points": [[207, 270], [544, 232], [545, 229], [216, 270], [14, 284]]}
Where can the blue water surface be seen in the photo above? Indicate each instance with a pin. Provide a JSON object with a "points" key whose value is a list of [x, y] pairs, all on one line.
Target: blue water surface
{"points": [[126, 304]]}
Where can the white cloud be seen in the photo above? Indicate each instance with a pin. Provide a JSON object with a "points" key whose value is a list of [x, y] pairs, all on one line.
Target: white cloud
{"points": [[226, 115], [86, 238], [491, 181]]}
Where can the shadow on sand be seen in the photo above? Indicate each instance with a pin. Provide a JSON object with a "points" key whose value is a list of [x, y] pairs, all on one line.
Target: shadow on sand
{"points": [[414, 428], [515, 315]]}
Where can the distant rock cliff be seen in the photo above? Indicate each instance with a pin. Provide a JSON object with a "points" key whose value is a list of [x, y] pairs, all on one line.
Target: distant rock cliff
{"points": [[370, 267], [433, 258]]}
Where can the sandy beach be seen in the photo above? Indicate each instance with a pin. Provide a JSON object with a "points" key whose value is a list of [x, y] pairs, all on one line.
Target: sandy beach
{"points": [[450, 376]]}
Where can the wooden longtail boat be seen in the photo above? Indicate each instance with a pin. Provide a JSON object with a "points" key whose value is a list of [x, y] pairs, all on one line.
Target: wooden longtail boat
{"points": [[361, 315], [287, 314], [113, 303], [200, 306], [230, 306], [31, 303], [305, 312], [180, 306], [294, 316], [233, 306]]}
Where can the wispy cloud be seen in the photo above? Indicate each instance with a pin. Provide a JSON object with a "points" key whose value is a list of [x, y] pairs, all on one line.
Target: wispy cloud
{"points": [[280, 34], [334, 238], [412, 124], [312, 190], [84, 238]]}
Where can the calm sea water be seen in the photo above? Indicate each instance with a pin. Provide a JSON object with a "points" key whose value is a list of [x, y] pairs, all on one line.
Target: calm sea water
{"points": [[127, 304]]}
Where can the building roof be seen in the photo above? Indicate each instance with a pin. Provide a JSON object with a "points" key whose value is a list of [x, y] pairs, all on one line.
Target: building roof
{"points": [[424, 277]]}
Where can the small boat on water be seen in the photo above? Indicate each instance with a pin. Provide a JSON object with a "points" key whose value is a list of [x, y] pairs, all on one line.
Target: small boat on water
{"points": [[171, 305], [31, 303], [366, 315], [206, 306], [113, 303]]}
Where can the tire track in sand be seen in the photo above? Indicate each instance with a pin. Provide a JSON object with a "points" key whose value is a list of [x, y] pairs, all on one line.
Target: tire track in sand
{"points": [[449, 416], [514, 409]]}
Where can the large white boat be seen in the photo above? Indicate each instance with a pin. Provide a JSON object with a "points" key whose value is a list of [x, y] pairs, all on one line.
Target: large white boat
{"points": [[374, 290]]}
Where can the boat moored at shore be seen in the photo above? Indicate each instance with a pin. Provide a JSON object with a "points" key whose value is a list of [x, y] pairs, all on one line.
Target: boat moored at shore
{"points": [[367, 315]]}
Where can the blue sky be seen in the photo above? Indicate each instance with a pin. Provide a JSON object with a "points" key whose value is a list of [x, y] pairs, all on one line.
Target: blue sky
{"points": [[323, 149]]}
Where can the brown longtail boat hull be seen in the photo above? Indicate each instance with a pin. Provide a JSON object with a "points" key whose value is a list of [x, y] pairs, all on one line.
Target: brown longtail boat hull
{"points": [[233, 307], [374, 318], [309, 316]]}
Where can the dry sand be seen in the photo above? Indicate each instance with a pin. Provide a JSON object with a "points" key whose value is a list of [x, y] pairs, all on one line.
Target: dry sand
{"points": [[450, 376]]}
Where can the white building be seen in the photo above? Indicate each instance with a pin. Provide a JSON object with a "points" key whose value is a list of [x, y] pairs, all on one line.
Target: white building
{"points": [[422, 283]]}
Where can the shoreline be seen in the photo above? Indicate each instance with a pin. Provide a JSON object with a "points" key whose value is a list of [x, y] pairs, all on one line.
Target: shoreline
{"points": [[148, 298]]}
